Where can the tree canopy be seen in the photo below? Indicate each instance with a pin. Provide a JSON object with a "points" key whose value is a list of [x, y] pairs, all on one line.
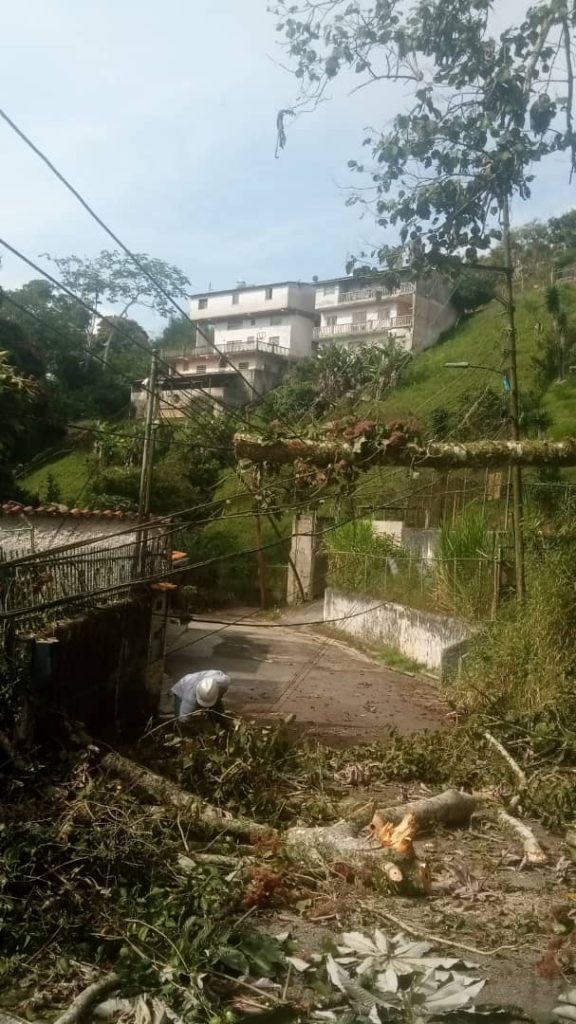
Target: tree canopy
{"points": [[486, 110]]}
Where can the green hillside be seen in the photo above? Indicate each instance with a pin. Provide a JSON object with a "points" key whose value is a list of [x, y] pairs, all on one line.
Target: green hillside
{"points": [[480, 339], [430, 386], [70, 473]]}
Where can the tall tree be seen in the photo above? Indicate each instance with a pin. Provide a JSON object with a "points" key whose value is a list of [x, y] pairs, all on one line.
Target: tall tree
{"points": [[486, 109], [112, 277], [179, 335]]}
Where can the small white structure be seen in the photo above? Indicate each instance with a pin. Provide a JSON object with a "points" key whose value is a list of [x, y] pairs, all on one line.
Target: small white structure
{"points": [[360, 311]]}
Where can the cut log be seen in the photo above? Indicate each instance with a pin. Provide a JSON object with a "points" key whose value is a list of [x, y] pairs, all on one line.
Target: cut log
{"points": [[533, 852], [342, 840], [88, 998], [399, 838], [435, 455], [163, 791], [449, 808]]}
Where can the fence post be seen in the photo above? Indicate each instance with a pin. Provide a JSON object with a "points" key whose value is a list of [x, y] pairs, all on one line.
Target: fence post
{"points": [[496, 579]]}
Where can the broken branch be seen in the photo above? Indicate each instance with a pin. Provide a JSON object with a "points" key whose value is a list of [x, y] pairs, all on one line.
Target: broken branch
{"points": [[507, 757], [417, 933], [88, 998], [533, 852]]}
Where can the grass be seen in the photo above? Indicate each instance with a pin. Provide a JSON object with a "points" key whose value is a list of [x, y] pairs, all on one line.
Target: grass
{"points": [[478, 339], [395, 659], [71, 473], [560, 404]]}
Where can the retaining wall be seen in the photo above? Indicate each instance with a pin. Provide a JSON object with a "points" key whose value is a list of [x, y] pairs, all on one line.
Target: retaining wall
{"points": [[436, 641]]}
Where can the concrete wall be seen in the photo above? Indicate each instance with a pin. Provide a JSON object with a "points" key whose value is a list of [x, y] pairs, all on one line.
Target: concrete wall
{"points": [[220, 304], [428, 638], [309, 563], [421, 542], [97, 668], [433, 313], [57, 530]]}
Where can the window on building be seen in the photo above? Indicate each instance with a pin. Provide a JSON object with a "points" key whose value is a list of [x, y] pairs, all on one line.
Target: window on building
{"points": [[252, 323], [200, 369], [235, 299], [359, 316], [269, 293], [250, 338], [184, 364], [275, 320], [202, 303], [231, 325], [328, 289], [331, 320], [244, 366], [274, 340]]}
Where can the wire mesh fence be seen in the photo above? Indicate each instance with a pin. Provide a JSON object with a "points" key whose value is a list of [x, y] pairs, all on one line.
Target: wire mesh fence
{"points": [[469, 588]]}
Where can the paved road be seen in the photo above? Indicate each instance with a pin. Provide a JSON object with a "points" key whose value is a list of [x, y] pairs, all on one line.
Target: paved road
{"points": [[331, 688]]}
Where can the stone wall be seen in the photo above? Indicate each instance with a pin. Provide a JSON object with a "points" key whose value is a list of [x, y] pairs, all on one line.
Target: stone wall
{"points": [[435, 641]]}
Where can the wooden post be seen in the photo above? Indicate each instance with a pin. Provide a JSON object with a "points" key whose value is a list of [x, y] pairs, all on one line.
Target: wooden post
{"points": [[262, 566], [510, 352]]}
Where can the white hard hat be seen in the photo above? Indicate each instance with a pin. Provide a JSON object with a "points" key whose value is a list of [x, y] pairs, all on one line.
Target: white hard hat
{"points": [[207, 692]]}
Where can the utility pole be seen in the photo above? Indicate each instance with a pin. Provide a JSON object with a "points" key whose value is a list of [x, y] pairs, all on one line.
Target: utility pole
{"points": [[148, 450], [510, 358], [146, 470]]}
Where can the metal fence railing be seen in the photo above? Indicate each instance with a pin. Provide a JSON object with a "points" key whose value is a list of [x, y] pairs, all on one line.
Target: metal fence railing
{"points": [[30, 585]]}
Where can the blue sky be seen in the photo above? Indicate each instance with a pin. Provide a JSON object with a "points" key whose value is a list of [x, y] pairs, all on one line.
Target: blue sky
{"points": [[163, 115]]}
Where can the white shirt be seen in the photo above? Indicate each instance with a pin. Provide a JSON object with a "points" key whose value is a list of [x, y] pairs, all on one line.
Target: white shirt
{"points": [[186, 687]]}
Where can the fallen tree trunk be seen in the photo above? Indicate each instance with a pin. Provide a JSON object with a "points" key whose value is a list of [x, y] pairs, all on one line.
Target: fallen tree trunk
{"points": [[435, 455], [89, 998], [162, 790], [343, 840]]}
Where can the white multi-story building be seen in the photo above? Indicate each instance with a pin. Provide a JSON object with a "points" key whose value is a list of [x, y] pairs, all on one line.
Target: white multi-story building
{"points": [[359, 311], [255, 332]]}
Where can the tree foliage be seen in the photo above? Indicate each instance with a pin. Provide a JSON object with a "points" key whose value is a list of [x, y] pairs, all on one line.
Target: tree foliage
{"points": [[179, 335], [338, 373], [486, 109], [112, 277]]}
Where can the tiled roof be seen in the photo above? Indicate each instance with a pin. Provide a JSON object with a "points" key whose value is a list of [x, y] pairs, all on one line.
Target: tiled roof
{"points": [[16, 508]]}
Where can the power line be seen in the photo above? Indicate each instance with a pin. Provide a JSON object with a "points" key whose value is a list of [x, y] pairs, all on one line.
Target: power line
{"points": [[143, 269], [93, 355], [121, 332]]}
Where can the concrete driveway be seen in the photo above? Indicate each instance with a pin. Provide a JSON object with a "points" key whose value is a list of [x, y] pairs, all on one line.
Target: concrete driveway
{"points": [[276, 669]]}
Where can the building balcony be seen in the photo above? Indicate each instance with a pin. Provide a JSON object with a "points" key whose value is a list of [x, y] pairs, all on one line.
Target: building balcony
{"points": [[369, 327], [187, 363], [343, 296]]}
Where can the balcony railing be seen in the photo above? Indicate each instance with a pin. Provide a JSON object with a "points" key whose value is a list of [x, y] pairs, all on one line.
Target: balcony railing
{"points": [[369, 327], [370, 294], [230, 347]]}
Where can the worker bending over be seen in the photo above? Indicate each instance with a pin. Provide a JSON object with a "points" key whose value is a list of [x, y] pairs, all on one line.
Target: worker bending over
{"points": [[200, 691]]}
